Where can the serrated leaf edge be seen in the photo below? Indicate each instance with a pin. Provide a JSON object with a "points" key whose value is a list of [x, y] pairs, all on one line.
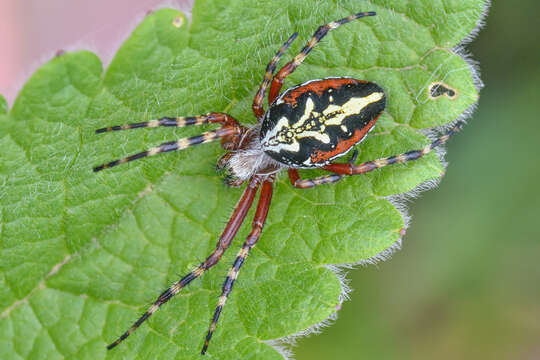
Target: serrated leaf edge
{"points": [[285, 344]]}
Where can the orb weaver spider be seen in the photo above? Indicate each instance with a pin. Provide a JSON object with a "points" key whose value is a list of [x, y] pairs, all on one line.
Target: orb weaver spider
{"points": [[305, 127]]}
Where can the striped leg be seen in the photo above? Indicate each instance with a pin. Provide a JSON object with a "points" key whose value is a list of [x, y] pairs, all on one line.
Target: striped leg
{"points": [[211, 118], [285, 71], [294, 176], [351, 169], [224, 241], [309, 183], [258, 109], [180, 144], [253, 237]]}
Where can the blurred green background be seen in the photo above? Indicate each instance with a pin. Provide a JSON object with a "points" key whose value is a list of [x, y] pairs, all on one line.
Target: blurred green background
{"points": [[466, 284]]}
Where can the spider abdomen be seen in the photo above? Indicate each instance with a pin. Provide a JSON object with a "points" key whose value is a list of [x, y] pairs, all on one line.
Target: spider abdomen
{"points": [[317, 121]]}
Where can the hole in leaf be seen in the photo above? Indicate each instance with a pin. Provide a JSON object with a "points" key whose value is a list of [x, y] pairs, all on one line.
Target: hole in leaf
{"points": [[438, 89]]}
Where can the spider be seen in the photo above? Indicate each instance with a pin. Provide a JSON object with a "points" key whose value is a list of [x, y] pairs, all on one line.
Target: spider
{"points": [[305, 127]]}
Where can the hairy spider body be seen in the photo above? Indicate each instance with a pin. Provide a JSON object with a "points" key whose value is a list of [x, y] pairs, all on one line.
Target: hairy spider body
{"points": [[307, 126]]}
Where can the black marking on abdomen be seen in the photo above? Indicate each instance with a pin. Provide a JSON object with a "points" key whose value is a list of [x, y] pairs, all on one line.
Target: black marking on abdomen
{"points": [[295, 149]]}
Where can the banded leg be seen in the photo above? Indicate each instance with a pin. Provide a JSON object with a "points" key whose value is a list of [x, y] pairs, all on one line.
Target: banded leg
{"points": [[211, 118], [351, 169], [224, 241], [321, 32], [180, 144], [294, 176], [253, 237], [258, 108]]}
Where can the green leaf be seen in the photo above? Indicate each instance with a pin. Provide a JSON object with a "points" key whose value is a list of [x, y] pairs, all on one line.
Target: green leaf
{"points": [[83, 254], [3, 105]]}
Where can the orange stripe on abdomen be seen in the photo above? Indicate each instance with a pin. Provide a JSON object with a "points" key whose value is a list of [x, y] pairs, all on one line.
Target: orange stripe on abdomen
{"points": [[320, 157]]}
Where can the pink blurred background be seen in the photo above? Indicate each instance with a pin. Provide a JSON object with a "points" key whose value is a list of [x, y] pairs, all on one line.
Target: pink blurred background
{"points": [[32, 31]]}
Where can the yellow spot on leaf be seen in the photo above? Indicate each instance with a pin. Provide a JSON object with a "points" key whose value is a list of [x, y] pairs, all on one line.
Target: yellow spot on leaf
{"points": [[178, 21]]}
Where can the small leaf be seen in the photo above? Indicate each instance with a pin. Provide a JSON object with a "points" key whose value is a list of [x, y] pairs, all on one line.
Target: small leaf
{"points": [[83, 254]]}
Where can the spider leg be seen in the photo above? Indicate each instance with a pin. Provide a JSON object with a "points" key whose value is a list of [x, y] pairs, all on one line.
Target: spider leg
{"points": [[224, 241], [210, 118], [180, 144], [321, 32], [294, 176], [351, 169], [258, 109], [258, 223]]}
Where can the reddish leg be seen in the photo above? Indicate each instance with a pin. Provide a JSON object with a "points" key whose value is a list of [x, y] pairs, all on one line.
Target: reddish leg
{"points": [[224, 241], [351, 169], [321, 32], [294, 176], [253, 237], [258, 109]]}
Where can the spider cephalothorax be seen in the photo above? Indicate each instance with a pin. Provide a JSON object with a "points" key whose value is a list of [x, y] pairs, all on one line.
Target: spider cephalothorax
{"points": [[307, 126]]}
